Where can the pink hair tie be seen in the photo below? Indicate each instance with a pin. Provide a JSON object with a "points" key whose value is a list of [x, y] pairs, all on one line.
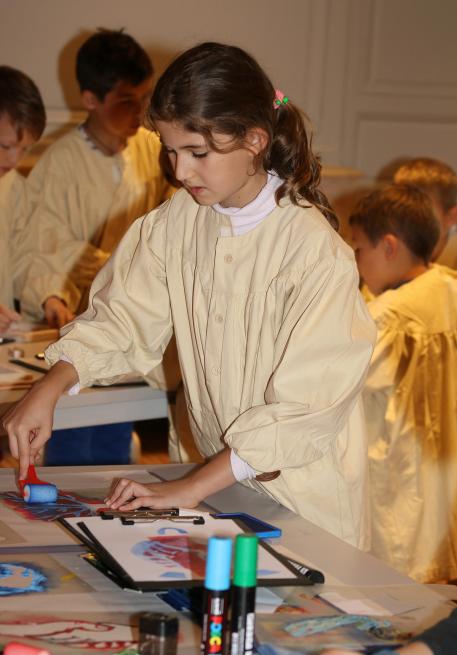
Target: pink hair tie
{"points": [[280, 99]]}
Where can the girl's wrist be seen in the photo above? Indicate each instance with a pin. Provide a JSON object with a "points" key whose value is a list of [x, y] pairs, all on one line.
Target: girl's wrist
{"points": [[61, 376]]}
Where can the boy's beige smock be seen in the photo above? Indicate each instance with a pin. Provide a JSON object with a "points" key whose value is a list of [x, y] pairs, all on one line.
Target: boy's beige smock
{"points": [[273, 340], [13, 237], [84, 202], [18, 253], [411, 410]]}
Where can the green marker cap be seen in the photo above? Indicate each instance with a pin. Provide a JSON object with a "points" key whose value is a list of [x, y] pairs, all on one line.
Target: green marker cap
{"points": [[245, 573]]}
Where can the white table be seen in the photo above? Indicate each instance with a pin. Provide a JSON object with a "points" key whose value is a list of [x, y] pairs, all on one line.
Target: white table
{"points": [[95, 406], [342, 564]]}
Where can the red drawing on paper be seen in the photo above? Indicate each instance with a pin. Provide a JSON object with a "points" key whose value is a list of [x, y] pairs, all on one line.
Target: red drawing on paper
{"points": [[174, 553], [91, 635]]}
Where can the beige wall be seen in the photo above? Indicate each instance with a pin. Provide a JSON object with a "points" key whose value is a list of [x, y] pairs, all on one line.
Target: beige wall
{"points": [[377, 77]]}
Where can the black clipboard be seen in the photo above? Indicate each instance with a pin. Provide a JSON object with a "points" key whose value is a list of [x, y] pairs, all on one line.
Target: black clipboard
{"points": [[111, 560]]}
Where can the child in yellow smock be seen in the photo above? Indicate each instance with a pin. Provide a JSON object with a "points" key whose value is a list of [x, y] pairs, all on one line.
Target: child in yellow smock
{"points": [[410, 394], [22, 121]]}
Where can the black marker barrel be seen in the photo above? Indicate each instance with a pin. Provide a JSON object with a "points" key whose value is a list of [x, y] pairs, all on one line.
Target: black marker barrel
{"points": [[217, 585], [243, 595]]}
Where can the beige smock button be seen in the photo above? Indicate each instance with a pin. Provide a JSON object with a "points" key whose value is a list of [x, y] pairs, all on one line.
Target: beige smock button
{"points": [[228, 259], [219, 318]]}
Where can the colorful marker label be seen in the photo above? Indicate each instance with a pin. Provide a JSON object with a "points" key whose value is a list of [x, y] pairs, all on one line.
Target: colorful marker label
{"points": [[214, 623]]}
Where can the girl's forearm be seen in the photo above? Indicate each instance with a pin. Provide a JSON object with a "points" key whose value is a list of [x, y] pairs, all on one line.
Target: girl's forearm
{"points": [[60, 378], [213, 476]]}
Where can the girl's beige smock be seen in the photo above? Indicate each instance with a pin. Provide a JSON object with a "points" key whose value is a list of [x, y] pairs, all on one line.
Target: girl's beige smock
{"points": [[273, 340], [411, 411]]}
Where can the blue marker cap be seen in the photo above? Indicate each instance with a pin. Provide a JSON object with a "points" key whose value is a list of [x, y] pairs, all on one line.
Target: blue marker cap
{"points": [[219, 558]]}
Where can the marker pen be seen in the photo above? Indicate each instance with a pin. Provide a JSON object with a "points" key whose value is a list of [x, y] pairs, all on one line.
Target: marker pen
{"points": [[217, 584], [313, 575], [243, 595]]}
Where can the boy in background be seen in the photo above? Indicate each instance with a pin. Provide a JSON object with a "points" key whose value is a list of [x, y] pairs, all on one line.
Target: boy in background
{"points": [[22, 121], [92, 183], [86, 190], [410, 395], [439, 181]]}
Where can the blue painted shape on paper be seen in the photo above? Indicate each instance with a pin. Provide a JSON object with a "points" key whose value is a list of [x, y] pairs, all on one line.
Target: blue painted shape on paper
{"points": [[311, 626], [21, 578], [166, 530], [264, 572]]}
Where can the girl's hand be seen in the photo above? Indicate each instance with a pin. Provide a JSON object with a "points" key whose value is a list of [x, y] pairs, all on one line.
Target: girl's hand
{"points": [[29, 426], [29, 423], [187, 492], [127, 494]]}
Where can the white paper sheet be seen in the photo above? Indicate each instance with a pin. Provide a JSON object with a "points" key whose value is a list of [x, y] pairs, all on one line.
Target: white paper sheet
{"points": [[166, 551]]}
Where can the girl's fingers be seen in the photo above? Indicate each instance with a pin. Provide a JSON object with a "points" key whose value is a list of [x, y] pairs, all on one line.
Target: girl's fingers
{"points": [[23, 451], [125, 491], [116, 490], [38, 457], [14, 445]]}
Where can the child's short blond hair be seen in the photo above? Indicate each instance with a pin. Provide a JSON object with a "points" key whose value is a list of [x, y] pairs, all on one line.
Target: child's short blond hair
{"points": [[432, 176], [401, 209]]}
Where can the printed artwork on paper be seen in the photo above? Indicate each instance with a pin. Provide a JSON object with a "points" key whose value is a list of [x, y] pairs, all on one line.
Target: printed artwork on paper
{"points": [[37, 574], [68, 504], [102, 633]]}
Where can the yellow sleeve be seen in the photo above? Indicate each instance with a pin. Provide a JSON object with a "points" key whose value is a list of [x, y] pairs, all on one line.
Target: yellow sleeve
{"points": [[127, 325], [21, 258], [42, 282], [58, 205], [21, 243], [322, 352]]}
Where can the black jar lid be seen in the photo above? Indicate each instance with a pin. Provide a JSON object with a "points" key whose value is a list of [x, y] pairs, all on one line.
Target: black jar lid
{"points": [[158, 624]]}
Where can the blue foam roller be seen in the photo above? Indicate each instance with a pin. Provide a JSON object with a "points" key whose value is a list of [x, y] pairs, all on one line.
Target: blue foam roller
{"points": [[40, 493]]}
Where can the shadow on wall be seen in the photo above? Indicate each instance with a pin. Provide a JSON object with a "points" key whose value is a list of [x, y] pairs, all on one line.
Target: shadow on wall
{"points": [[160, 58], [66, 69]]}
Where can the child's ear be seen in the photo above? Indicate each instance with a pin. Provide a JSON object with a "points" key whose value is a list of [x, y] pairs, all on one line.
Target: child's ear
{"points": [[390, 243], [89, 100], [257, 139], [451, 216]]}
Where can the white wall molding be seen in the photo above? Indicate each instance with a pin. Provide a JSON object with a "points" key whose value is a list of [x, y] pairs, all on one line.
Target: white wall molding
{"points": [[393, 109], [378, 78]]}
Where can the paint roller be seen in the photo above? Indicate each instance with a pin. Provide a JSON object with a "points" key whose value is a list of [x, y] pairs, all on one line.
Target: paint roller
{"points": [[34, 490]]}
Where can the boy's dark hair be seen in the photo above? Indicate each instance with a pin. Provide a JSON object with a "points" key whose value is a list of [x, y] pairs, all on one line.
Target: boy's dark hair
{"points": [[109, 57], [215, 87], [20, 99], [432, 176], [403, 210]]}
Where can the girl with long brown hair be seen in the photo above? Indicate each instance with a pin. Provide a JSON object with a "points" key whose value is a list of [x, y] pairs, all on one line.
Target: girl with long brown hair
{"points": [[245, 266]]}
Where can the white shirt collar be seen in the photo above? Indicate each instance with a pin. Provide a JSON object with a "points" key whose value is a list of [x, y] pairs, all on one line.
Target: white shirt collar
{"points": [[244, 219]]}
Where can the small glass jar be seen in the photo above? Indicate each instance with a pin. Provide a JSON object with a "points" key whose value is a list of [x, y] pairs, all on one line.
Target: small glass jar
{"points": [[158, 633]]}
